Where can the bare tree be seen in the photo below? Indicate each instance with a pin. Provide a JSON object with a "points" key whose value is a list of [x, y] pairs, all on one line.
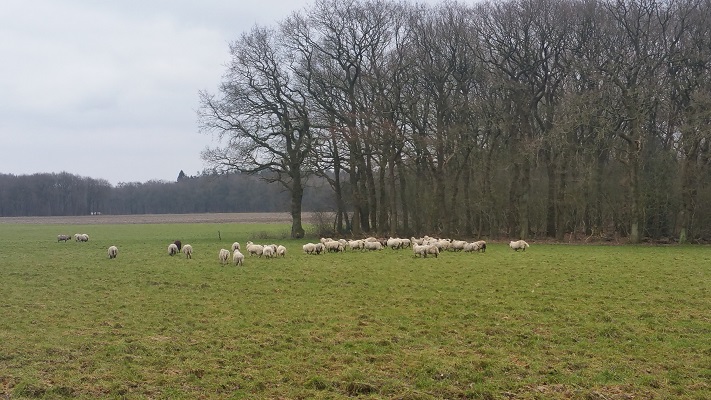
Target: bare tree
{"points": [[262, 115]]}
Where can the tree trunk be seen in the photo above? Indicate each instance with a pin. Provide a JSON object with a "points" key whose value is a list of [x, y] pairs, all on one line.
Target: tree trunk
{"points": [[297, 195]]}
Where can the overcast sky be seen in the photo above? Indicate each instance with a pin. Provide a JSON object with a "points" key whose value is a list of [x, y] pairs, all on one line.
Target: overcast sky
{"points": [[109, 89]]}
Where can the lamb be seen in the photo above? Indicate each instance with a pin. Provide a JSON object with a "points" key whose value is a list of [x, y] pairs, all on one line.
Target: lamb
{"points": [[254, 249], [238, 257], [518, 245], [113, 252], [179, 244], [236, 246], [172, 249], [63, 238], [224, 256], [188, 250], [281, 251]]}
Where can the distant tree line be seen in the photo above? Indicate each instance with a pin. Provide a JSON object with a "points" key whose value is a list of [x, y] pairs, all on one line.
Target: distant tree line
{"points": [[503, 118], [61, 194]]}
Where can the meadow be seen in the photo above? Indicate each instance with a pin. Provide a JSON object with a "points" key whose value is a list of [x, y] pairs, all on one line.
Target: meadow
{"points": [[554, 322]]}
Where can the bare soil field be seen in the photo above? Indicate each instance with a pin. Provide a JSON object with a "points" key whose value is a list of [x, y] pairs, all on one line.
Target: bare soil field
{"points": [[243, 218]]}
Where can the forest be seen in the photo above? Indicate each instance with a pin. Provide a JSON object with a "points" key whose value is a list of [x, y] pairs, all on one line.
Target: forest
{"points": [[63, 194], [560, 119]]}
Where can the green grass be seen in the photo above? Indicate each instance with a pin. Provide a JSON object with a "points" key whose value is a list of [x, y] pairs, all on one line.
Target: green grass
{"points": [[558, 321]]}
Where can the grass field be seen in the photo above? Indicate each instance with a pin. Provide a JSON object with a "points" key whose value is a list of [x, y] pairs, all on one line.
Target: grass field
{"points": [[555, 322]]}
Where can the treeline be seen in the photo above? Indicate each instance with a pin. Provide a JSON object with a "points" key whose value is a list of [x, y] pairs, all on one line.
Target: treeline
{"points": [[501, 118], [62, 194]]}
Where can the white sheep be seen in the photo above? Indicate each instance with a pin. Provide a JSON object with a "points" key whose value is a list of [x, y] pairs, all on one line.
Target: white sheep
{"points": [[238, 257], [469, 247], [268, 251], [224, 256], [355, 244], [255, 249], [81, 237], [63, 238], [235, 246], [458, 245], [334, 246], [188, 250], [172, 249], [309, 248], [113, 252], [424, 249], [518, 245], [319, 248], [373, 246], [480, 246], [281, 251], [394, 243], [405, 243]]}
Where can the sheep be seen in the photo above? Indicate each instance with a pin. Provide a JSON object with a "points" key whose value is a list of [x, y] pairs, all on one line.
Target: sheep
{"points": [[281, 251], [425, 249], [238, 257], [355, 244], [188, 250], [469, 247], [458, 245], [236, 246], [480, 246], [113, 252], [268, 251], [82, 237], [224, 256], [76, 236], [63, 238], [518, 245], [254, 249], [319, 248], [309, 248], [172, 249], [394, 243], [178, 244], [405, 243], [334, 246], [373, 246]]}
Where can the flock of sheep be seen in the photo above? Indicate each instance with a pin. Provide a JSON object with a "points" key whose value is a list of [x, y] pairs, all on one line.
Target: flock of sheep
{"points": [[421, 247]]}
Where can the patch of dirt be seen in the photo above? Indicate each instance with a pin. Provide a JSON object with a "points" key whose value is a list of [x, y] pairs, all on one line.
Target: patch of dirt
{"points": [[243, 218]]}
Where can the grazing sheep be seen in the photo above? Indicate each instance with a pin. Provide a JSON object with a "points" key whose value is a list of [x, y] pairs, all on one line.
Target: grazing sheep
{"points": [[458, 245], [394, 243], [319, 248], [309, 248], [268, 251], [235, 246], [113, 252], [355, 244], [480, 246], [405, 243], [518, 245], [254, 249], [373, 246], [281, 251], [82, 237], [238, 257], [469, 247], [425, 249], [63, 238], [334, 246], [172, 249], [188, 250], [224, 256], [178, 244]]}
